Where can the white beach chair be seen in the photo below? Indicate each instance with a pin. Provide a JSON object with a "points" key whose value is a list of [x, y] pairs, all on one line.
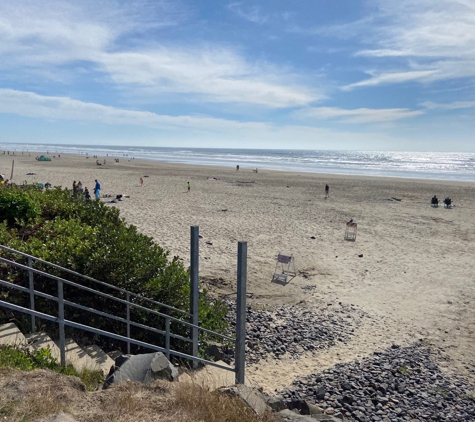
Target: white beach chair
{"points": [[351, 230], [284, 267]]}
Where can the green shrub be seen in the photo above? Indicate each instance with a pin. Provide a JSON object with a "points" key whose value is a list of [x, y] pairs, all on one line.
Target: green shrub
{"points": [[17, 206], [26, 360], [92, 239]]}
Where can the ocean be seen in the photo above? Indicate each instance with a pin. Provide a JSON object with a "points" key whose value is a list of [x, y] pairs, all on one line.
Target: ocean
{"points": [[419, 165]]}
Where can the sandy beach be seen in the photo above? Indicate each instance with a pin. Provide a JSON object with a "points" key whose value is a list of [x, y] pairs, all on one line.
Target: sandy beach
{"points": [[410, 270]]}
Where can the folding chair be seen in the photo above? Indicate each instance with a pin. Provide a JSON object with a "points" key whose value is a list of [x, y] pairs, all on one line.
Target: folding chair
{"points": [[351, 230], [284, 267]]}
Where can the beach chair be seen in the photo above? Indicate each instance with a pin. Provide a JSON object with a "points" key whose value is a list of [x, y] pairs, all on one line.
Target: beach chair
{"points": [[448, 203], [351, 230], [284, 267]]}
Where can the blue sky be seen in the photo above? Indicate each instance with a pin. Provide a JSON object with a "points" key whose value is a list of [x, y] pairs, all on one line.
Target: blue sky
{"points": [[309, 74]]}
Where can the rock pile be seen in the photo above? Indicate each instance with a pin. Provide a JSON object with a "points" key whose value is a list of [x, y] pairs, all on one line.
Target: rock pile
{"points": [[290, 331], [400, 384]]}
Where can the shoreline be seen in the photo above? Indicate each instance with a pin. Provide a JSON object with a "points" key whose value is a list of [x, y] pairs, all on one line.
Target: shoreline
{"points": [[264, 167], [410, 270]]}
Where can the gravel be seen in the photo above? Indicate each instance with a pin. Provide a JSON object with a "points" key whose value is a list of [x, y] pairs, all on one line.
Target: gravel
{"points": [[399, 384], [290, 331]]}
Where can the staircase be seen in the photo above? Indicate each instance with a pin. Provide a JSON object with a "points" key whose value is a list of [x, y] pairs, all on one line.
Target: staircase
{"points": [[70, 298], [89, 357]]}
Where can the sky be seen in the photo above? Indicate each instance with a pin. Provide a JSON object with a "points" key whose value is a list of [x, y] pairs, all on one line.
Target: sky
{"points": [[305, 74]]}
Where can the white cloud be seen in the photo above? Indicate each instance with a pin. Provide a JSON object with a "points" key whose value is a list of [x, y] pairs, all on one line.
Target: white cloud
{"points": [[30, 104], [188, 130], [252, 13], [436, 37], [393, 77], [215, 75], [359, 115], [47, 37], [451, 106]]}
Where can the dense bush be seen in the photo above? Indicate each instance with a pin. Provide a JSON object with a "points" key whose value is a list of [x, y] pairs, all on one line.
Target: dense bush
{"points": [[16, 205], [92, 239]]}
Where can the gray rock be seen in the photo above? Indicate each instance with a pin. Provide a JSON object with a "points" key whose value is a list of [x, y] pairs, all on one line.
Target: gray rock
{"points": [[215, 351], [276, 403], [142, 368], [290, 416], [248, 395]]}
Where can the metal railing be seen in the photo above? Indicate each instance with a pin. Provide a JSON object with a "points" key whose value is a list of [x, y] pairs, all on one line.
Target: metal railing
{"points": [[129, 304]]}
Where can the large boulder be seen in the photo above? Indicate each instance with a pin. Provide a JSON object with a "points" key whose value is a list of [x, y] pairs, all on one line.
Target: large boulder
{"points": [[141, 368], [252, 397]]}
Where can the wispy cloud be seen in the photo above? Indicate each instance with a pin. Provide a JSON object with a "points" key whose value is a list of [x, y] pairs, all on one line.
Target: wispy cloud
{"points": [[31, 104], [45, 37], [250, 13], [208, 130], [359, 115], [214, 75], [450, 106], [393, 77], [436, 38]]}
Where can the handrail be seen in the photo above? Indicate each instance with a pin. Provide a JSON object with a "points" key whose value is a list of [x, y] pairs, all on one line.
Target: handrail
{"points": [[61, 301], [111, 335], [58, 267], [88, 289]]}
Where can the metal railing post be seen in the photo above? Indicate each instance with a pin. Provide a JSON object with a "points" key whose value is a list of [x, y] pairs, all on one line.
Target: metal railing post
{"points": [[241, 313], [62, 336], [127, 297], [32, 295], [167, 337], [194, 288]]}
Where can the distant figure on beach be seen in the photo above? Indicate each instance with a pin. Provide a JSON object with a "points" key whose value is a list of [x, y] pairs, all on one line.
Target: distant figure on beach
{"points": [[141, 182], [86, 194], [75, 187], [97, 189], [327, 191], [434, 200], [188, 186], [237, 167], [79, 187]]}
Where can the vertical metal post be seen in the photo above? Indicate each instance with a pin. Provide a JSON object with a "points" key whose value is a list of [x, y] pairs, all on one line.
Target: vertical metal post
{"points": [[127, 297], [32, 294], [62, 336], [194, 288], [241, 313], [167, 337]]}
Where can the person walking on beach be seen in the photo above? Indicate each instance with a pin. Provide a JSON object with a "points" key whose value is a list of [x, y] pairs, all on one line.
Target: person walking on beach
{"points": [[141, 182], [327, 191], [188, 186], [86, 194], [97, 189]]}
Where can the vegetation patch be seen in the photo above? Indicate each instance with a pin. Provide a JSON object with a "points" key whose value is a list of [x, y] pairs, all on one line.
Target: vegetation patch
{"points": [[92, 239]]}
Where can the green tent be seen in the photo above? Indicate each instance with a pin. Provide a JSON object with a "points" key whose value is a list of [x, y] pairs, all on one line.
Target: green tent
{"points": [[43, 158]]}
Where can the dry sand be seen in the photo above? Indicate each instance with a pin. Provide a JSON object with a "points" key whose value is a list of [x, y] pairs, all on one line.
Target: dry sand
{"points": [[415, 279]]}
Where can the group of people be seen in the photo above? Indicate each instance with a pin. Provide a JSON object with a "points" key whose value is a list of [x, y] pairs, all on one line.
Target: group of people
{"points": [[435, 201], [79, 190]]}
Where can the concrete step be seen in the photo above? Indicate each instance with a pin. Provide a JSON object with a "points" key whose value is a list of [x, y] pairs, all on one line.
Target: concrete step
{"points": [[103, 361], [42, 341], [11, 335], [77, 357], [211, 377]]}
